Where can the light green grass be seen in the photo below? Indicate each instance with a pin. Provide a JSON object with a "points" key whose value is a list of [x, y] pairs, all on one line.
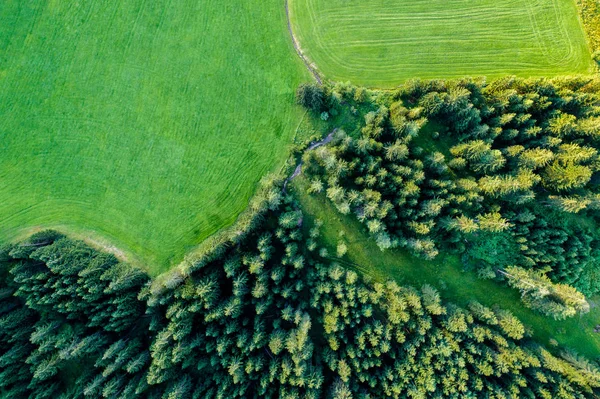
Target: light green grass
{"points": [[445, 273], [144, 125], [384, 42]]}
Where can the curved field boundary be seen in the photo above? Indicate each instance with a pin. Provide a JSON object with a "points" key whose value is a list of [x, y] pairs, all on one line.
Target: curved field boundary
{"points": [[297, 46]]}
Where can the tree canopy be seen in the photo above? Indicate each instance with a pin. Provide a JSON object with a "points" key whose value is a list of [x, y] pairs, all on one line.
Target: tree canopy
{"points": [[449, 165], [266, 318]]}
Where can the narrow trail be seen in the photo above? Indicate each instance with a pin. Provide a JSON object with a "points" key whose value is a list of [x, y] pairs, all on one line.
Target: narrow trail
{"points": [[297, 46], [314, 145]]}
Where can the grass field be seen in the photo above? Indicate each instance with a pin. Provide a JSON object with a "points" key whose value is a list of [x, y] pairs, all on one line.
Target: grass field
{"points": [[384, 42], [141, 124], [445, 273]]}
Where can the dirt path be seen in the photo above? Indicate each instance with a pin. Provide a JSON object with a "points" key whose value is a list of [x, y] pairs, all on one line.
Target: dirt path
{"points": [[314, 145], [297, 46]]}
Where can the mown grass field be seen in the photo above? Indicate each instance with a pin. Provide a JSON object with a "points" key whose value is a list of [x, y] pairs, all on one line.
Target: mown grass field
{"points": [[445, 273], [144, 125], [381, 43]]}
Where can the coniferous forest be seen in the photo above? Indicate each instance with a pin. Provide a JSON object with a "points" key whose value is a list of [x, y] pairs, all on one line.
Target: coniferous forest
{"points": [[269, 318], [502, 174]]}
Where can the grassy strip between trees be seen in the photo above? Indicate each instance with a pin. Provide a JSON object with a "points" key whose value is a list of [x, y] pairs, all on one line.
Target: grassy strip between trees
{"points": [[444, 273]]}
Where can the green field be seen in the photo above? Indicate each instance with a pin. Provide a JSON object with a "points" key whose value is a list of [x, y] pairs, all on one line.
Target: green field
{"points": [[144, 125], [384, 42], [445, 273]]}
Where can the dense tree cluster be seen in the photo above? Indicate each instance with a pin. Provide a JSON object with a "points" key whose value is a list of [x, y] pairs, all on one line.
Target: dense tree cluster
{"points": [[563, 250], [451, 164], [557, 300], [311, 96], [267, 318], [241, 323], [68, 311], [398, 342], [396, 195]]}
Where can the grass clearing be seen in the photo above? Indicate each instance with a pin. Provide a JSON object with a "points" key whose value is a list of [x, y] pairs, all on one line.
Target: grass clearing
{"points": [[382, 43], [143, 124], [444, 273]]}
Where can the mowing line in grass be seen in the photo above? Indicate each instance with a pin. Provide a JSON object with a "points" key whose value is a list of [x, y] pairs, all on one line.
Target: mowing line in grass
{"points": [[381, 43]]}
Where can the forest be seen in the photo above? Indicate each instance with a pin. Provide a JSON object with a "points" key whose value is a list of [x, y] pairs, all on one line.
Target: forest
{"points": [[503, 173], [268, 317]]}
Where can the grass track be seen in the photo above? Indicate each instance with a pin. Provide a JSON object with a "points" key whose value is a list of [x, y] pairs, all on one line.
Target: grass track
{"points": [[143, 124], [444, 273], [382, 43]]}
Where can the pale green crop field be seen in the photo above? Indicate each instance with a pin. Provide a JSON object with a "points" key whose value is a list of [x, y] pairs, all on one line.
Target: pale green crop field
{"points": [[382, 43], [144, 125]]}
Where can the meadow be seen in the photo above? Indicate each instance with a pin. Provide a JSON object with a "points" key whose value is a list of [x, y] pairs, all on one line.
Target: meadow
{"points": [[142, 126], [381, 43]]}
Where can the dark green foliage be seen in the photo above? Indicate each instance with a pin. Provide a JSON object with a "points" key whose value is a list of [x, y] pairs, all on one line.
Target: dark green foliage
{"points": [[311, 96], [543, 241], [487, 252], [567, 252], [265, 319], [241, 322], [516, 158], [63, 307], [239, 327]]}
